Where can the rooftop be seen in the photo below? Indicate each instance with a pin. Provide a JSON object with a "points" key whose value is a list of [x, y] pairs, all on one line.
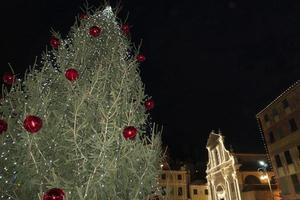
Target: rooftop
{"points": [[297, 83]]}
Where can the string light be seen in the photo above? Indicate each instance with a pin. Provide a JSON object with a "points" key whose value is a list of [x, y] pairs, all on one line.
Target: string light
{"points": [[52, 59], [276, 99]]}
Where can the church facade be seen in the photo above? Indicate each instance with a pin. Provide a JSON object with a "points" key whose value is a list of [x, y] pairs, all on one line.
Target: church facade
{"points": [[232, 176]]}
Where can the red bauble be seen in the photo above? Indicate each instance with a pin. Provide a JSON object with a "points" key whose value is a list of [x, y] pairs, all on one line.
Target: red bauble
{"points": [[129, 132], [149, 104], [140, 58], [125, 28], [82, 16], [8, 78], [32, 123], [54, 42], [71, 74], [54, 194], [156, 197], [95, 31], [3, 126]]}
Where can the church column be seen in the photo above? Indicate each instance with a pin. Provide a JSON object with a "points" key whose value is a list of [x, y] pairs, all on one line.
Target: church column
{"points": [[214, 191], [228, 191], [236, 187], [209, 185]]}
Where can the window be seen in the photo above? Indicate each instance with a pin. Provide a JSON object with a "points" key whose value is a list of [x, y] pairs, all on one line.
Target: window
{"points": [[274, 112], [163, 176], [285, 103], [284, 185], [298, 152], [179, 177], [271, 137], [288, 157], [266, 118], [296, 182], [278, 161], [180, 191], [206, 191], [195, 191], [293, 125]]}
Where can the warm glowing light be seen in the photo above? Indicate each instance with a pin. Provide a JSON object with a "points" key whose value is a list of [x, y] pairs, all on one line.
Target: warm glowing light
{"points": [[263, 177], [262, 163]]}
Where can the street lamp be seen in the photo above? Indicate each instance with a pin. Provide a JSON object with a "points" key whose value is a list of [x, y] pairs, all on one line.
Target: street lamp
{"points": [[263, 170]]}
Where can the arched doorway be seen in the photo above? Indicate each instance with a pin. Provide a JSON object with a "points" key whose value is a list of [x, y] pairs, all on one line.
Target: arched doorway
{"points": [[220, 192]]}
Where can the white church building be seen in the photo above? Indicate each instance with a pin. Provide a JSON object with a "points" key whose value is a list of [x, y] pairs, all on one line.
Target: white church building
{"points": [[232, 176]]}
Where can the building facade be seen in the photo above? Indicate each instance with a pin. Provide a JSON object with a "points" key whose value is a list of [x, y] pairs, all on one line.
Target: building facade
{"points": [[175, 184], [199, 191], [232, 176], [280, 125]]}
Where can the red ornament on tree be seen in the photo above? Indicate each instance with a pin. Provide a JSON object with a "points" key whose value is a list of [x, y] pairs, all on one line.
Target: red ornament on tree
{"points": [[71, 74], [149, 104], [129, 132], [95, 31], [54, 42], [32, 123], [82, 16], [156, 197], [140, 58], [125, 28], [54, 194], [8, 78], [3, 126]]}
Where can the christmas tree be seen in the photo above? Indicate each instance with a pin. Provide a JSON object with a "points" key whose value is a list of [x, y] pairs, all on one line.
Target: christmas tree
{"points": [[77, 126]]}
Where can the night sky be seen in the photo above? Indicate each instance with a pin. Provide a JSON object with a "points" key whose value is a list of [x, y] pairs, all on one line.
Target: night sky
{"points": [[210, 64]]}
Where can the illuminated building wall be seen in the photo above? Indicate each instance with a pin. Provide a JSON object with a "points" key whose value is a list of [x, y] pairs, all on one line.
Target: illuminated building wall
{"points": [[280, 126], [232, 176]]}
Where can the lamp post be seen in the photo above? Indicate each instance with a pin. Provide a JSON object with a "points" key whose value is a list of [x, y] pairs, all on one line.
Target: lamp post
{"points": [[263, 170]]}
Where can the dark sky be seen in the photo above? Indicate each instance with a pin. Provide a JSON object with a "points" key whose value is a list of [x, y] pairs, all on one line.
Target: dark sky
{"points": [[210, 64]]}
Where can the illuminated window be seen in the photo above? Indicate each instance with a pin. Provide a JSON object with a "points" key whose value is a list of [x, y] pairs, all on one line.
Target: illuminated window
{"points": [[288, 157], [293, 125], [278, 161]]}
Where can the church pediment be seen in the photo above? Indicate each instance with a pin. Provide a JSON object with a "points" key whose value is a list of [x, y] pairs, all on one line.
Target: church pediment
{"points": [[213, 140]]}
